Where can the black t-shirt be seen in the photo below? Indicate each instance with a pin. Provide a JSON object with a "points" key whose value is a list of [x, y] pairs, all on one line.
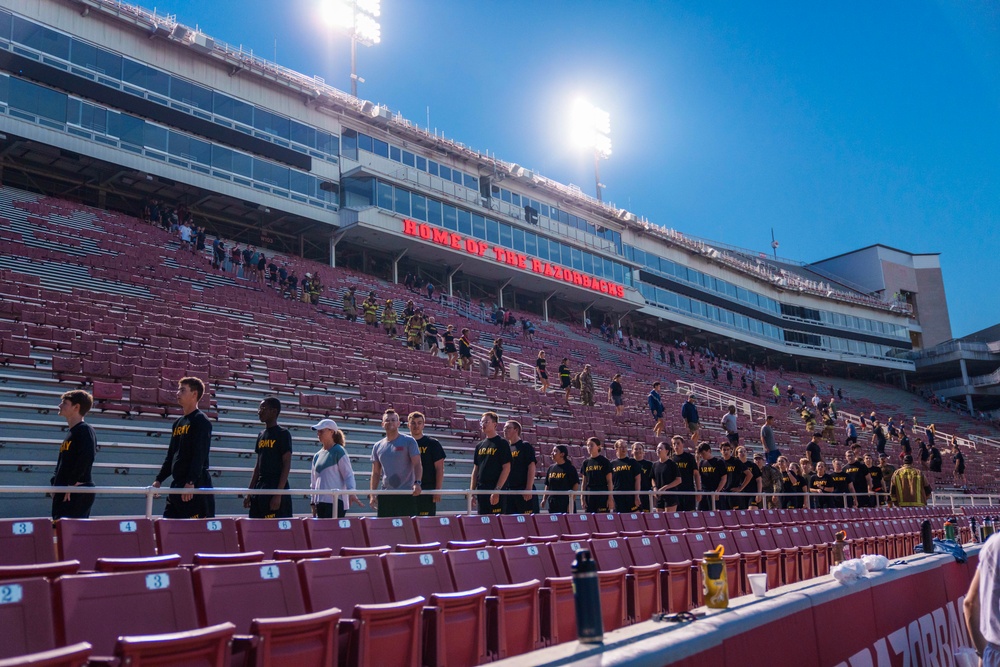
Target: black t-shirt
{"points": [[959, 460], [904, 444], [564, 371], [664, 472], [594, 473], [522, 455], [645, 474], [464, 347], [431, 452], [857, 471], [712, 472], [733, 469], [814, 452], [840, 481], [686, 465], [187, 454], [880, 437], [757, 474], [449, 338], [491, 455], [821, 482], [540, 364], [76, 456], [935, 459], [623, 473], [272, 444], [430, 330], [561, 477], [876, 474], [788, 485], [616, 388]]}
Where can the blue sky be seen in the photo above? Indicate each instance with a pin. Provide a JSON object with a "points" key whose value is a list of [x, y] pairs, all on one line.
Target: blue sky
{"points": [[837, 124]]}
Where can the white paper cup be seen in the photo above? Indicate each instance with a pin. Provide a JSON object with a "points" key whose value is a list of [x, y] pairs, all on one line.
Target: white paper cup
{"points": [[758, 584]]}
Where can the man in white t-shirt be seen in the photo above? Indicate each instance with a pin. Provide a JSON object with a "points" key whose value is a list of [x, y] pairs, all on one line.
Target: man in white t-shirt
{"points": [[395, 465], [982, 605]]}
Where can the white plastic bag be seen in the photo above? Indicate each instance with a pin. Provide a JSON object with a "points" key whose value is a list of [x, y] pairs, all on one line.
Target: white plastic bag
{"points": [[849, 571], [875, 563]]}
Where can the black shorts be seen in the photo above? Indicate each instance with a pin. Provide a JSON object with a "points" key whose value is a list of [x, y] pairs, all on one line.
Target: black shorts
{"points": [[685, 503], [733, 438], [543, 375], [397, 506], [484, 506], [325, 510], [465, 355], [663, 502], [564, 382], [425, 503], [616, 399], [78, 506], [559, 505], [260, 507], [430, 341], [450, 348]]}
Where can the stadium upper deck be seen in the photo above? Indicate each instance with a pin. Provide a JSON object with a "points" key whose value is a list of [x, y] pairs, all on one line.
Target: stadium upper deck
{"points": [[279, 159]]}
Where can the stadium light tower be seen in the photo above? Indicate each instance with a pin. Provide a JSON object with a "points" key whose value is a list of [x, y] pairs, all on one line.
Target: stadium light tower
{"points": [[358, 18], [591, 130]]}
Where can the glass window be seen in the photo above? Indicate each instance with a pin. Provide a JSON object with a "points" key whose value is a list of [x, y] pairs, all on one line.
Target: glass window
{"points": [[130, 129], [542, 248], [364, 142], [305, 184], [515, 199], [302, 134], [588, 263], [401, 201], [421, 163], [380, 148], [432, 167], [506, 237], [94, 118], [492, 231], [419, 206], [434, 212], [505, 195], [5, 19], [349, 142], [470, 181], [155, 137], [464, 222], [518, 239], [409, 159], [544, 210], [445, 172], [576, 258], [456, 176], [478, 226], [232, 108], [395, 154], [384, 193], [190, 94], [530, 243], [357, 192], [565, 255], [619, 273], [189, 148], [272, 123], [450, 217], [93, 58], [40, 38], [272, 174]]}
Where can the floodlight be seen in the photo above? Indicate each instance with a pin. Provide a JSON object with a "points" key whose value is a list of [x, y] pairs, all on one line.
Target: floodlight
{"points": [[358, 18], [590, 128]]}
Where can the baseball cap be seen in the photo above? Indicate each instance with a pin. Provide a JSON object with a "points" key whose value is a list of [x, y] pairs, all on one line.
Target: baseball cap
{"points": [[325, 423]]}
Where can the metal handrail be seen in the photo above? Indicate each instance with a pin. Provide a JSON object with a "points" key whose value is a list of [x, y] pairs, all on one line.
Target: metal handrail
{"points": [[714, 396]]}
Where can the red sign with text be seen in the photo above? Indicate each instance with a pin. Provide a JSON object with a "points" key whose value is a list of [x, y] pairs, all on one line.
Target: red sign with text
{"points": [[478, 248]]}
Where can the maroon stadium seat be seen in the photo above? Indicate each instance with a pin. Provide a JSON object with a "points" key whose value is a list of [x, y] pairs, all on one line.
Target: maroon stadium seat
{"points": [[26, 617], [388, 634], [550, 524], [207, 647], [441, 529], [187, 537], [485, 527], [138, 564], [46, 570], [632, 523], [580, 524], [643, 581], [457, 620], [516, 525], [86, 540], [389, 531], [607, 522], [612, 581], [512, 613], [26, 541], [269, 535], [98, 608], [334, 533], [654, 521], [67, 656], [266, 600], [678, 561]]}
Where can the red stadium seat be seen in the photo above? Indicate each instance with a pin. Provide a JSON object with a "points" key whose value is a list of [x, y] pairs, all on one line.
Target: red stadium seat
{"points": [[654, 521], [389, 531], [208, 647], [388, 634], [580, 524], [86, 540], [643, 595], [807, 552], [237, 558], [512, 613], [678, 561], [45, 570], [516, 525], [138, 564], [187, 537], [456, 621], [614, 594], [632, 523], [26, 617], [67, 656], [269, 535], [550, 524], [98, 608], [771, 555], [485, 527], [266, 600], [334, 533], [26, 541], [607, 522], [441, 529]]}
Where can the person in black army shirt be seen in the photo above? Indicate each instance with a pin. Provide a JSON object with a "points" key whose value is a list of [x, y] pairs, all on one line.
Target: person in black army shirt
{"points": [[645, 474], [792, 481], [491, 465], [76, 458], [878, 483], [665, 478], [187, 456], [523, 464], [843, 487], [625, 472], [753, 486], [561, 476], [736, 478], [687, 469], [596, 475], [713, 475], [274, 462], [432, 458], [565, 377], [821, 485], [860, 477]]}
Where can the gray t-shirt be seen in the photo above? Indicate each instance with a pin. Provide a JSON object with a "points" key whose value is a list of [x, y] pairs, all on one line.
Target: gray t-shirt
{"points": [[767, 435], [394, 457]]}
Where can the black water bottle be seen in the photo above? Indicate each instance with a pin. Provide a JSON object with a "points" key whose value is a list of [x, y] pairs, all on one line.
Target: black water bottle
{"points": [[587, 598], [927, 537]]}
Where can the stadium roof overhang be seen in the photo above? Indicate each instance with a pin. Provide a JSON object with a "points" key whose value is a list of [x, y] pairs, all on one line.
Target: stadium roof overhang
{"points": [[386, 232]]}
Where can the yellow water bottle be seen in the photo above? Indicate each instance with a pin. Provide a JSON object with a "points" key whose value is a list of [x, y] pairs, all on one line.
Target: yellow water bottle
{"points": [[715, 588]]}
